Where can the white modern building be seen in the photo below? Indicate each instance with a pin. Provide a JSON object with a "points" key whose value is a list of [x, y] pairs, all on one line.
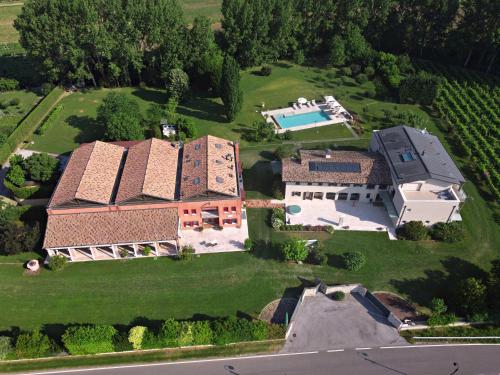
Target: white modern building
{"points": [[405, 176]]}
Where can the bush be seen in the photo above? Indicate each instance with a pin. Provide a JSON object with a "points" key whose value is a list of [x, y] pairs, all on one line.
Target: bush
{"points": [[338, 295], [15, 175], [361, 78], [355, 69], [121, 343], [50, 119], [298, 57], [353, 261], [448, 232], [346, 71], [278, 218], [90, 339], [187, 253], [287, 135], [248, 244], [265, 71], [413, 231], [283, 152], [232, 329], [441, 319], [46, 88], [8, 84], [276, 331], [5, 347], [294, 250], [260, 330], [57, 262], [14, 102], [15, 238], [329, 229], [33, 345], [41, 167], [369, 71], [21, 192], [202, 333], [169, 333], [147, 250], [136, 336], [185, 334], [317, 255]]}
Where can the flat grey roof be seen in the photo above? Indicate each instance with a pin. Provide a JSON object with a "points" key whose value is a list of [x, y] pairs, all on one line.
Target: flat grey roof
{"points": [[415, 155]]}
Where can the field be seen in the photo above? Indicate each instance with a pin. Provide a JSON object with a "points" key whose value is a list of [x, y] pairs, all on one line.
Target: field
{"points": [[8, 14], [10, 116]]}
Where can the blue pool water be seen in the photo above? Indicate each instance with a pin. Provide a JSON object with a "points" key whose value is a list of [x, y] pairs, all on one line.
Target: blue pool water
{"points": [[290, 121]]}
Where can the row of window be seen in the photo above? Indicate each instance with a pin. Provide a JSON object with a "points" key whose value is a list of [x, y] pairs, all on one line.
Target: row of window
{"points": [[332, 196], [368, 186], [194, 212], [194, 224]]}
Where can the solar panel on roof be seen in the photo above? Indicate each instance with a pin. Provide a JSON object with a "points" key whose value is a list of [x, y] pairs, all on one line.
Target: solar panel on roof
{"points": [[315, 166]]}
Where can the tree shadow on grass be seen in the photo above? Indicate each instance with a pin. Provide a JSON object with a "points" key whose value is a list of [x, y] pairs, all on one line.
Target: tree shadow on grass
{"points": [[259, 177], [437, 283], [89, 128], [336, 260], [266, 250], [203, 108], [152, 96]]}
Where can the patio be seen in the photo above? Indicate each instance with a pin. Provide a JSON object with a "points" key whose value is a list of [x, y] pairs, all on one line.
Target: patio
{"points": [[211, 240], [342, 215]]}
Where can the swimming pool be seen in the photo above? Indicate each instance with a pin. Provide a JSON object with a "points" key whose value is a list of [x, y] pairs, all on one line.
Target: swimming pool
{"points": [[310, 118]]}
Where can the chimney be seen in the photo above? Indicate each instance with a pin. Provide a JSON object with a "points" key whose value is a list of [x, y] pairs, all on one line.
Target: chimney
{"points": [[328, 153]]}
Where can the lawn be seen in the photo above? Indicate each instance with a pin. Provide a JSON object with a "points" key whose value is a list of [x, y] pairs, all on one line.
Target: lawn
{"points": [[8, 14], [207, 8], [12, 115], [77, 124]]}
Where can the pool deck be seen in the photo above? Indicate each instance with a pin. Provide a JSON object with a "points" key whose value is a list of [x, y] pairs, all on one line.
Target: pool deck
{"points": [[336, 116]]}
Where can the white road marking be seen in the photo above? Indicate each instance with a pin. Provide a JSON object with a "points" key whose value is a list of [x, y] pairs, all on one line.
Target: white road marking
{"points": [[171, 363], [362, 349], [335, 350], [434, 346]]}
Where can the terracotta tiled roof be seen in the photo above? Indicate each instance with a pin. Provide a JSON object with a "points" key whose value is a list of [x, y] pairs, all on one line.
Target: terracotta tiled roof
{"points": [[150, 169], [208, 165], [90, 174], [107, 228], [373, 168]]}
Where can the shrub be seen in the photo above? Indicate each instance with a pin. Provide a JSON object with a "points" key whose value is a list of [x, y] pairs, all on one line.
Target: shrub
{"points": [[282, 152], [5, 347], [260, 330], [231, 330], [287, 135], [369, 71], [41, 167], [441, 319], [136, 336], [15, 175], [294, 250], [355, 69], [338, 295], [470, 296], [298, 57], [329, 229], [317, 255], [438, 306], [147, 250], [187, 253], [266, 71], [57, 262], [413, 230], [8, 84], [169, 333], [361, 78], [14, 101], [45, 88], [248, 244], [90, 339], [121, 343], [277, 189], [353, 261], [50, 119], [21, 192], [15, 238], [33, 345], [346, 71], [448, 232], [185, 334], [123, 253], [278, 218], [202, 333]]}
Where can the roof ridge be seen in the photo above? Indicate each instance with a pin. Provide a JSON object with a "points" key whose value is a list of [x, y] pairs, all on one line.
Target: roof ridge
{"points": [[147, 164]]}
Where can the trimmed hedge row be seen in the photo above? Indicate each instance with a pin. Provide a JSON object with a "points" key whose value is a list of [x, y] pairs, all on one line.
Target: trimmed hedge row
{"points": [[93, 339], [50, 119], [29, 124], [22, 192]]}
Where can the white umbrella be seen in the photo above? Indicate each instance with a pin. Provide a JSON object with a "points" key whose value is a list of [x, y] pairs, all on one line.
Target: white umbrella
{"points": [[302, 100]]}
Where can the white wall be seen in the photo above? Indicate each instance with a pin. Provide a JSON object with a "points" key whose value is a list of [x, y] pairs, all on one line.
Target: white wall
{"points": [[303, 187], [429, 212]]}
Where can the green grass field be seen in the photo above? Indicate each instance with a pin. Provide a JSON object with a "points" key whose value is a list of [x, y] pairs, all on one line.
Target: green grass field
{"points": [[8, 14], [12, 115]]}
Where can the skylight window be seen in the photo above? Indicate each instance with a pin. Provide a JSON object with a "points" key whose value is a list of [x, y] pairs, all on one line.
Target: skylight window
{"points": [[197, 146], [219, 179], [196, 181], [218, 145], [407, 156], [197, 163]]}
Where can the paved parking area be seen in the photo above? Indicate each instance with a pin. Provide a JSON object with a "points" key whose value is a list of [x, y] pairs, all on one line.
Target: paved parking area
{"points": [[323, 324]]}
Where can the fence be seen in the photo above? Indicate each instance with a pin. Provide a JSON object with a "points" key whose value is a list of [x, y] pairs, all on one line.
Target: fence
{"points": [[29, 124]]}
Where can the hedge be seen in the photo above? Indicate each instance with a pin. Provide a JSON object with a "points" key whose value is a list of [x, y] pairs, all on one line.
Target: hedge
{"points": [[91, 339], [22, 192], [26, 128], [50, 119]]}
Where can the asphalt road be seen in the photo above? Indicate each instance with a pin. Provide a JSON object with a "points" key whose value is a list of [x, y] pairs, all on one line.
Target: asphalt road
{"points": [[416, 360]]}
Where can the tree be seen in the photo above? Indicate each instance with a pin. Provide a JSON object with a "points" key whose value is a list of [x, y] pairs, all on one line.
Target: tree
{"points": [[294, 250], [494, 284], [177, 83], [16, 238], [388, 68], [230, 91], [353, 261], [438, 306], [186, 126], [421, 88], [16, 175], [41, 167], [337, 51], [471, 296], [121, 118]]}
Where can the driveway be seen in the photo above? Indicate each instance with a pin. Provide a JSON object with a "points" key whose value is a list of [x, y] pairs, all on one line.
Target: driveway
{"points": [[323, 324]]}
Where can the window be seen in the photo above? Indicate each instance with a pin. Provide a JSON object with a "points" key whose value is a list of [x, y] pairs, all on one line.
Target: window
{"points": [[382, 187], [370, 186], [186, 212], [309, 183], [407, 156], [196, 181], [197, 163], [427, 222], [320, 184], [295, 193], [193, 212], [318, 195], [354, 197], [345, 185], [368, 196], [197, 146], [233, 209], [330, 196], [343, 196], [358, 185], [332, 184], [378, 198], [297, 183], [226, 209]]}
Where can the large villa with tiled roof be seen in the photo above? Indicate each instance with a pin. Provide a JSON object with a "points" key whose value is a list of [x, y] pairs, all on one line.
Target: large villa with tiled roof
{"points": [[116, 199]]}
